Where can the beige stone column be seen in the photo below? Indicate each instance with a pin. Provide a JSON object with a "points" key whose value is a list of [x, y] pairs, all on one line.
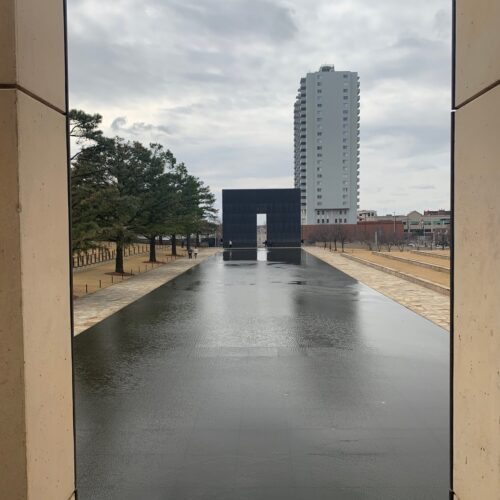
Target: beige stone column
{"points": [[476, 353], [36, 416]]}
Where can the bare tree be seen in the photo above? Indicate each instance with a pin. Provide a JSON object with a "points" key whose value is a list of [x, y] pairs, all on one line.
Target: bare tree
{"points": [[320, 235], [364, 238], [325, 235], [342, 235], [334, 235], [389, 242], [387, 239], [443, 239], [379, 240]]}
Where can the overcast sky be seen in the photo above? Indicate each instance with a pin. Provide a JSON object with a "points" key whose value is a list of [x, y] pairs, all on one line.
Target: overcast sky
{"points": [[215, 81]]}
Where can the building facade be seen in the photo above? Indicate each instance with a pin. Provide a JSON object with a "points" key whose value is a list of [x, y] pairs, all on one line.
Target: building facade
{"points": [[326, 140], [429, 223], [366, 215]]}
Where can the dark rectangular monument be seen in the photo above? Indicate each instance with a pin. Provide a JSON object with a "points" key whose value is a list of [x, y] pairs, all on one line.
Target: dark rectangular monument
{"points": [[239, 213]]}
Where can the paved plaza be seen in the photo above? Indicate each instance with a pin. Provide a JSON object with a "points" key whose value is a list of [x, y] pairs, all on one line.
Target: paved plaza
{"points": [[280, 379]]}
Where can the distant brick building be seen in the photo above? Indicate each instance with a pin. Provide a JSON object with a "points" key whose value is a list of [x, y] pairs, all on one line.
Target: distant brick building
{"points": [[362, 231], [415, 223]]}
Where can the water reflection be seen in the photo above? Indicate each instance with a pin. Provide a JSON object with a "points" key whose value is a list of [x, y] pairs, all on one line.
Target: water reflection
{"points": [[240, 254], [281, 255], [234, 362], [285, 255]]}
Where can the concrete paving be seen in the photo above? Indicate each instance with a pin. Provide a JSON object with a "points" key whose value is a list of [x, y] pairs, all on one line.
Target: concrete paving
{"points": [[263, 380]]}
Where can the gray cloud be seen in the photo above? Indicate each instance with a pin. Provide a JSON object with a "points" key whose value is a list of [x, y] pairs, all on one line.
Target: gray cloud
{"points": [[236, 18], [215, 81], [119, 126]]}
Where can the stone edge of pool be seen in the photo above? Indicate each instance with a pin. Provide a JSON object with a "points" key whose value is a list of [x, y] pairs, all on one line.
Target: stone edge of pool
{"points": [[427, 303], [96, 307]]}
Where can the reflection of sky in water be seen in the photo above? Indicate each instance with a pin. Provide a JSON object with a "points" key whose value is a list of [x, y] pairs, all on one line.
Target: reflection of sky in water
{"points": [[262, 254]]}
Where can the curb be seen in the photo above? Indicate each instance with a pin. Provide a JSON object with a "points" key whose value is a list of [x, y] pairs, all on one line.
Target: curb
{"points": [[433, 267], [430, 254], [413, 279]]}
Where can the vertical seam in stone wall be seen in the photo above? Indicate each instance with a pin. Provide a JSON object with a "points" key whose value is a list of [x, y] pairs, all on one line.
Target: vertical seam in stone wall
{"points": [[70, 245], [453, 51], [21, 305], [20, 149], [452, 239]]}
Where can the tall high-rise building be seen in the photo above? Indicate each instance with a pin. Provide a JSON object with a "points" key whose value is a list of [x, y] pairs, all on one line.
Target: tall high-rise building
{"points": [[326, 125]]}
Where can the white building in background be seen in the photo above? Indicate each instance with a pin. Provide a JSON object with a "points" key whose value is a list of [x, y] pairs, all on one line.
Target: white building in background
{"points": [[367, 215], [326, 126]]}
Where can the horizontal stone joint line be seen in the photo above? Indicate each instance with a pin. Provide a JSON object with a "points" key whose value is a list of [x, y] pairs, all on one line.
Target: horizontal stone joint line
{"points": [[15, 86], [477, 95]]}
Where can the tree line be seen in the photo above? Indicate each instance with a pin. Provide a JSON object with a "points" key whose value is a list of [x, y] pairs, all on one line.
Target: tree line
{"points": [[123, 189], [340, 234]]}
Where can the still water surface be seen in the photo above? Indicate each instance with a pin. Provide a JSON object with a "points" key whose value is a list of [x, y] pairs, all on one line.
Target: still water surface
{"points": [[265, 376]]}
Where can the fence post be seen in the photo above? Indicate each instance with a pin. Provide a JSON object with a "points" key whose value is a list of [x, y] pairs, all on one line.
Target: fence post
{"points": [[100, 285]]}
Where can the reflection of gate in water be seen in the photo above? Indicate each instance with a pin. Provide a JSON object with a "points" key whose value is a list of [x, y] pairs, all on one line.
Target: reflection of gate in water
{"points": [[271, 255]]}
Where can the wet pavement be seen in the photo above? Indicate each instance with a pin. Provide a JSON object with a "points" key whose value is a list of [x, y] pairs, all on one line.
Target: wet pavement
{"points": [[265, 377]]}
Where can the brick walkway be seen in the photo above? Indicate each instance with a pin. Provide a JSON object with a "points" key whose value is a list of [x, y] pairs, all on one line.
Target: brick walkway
{"points": [[93, 308], [429, 304]]}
